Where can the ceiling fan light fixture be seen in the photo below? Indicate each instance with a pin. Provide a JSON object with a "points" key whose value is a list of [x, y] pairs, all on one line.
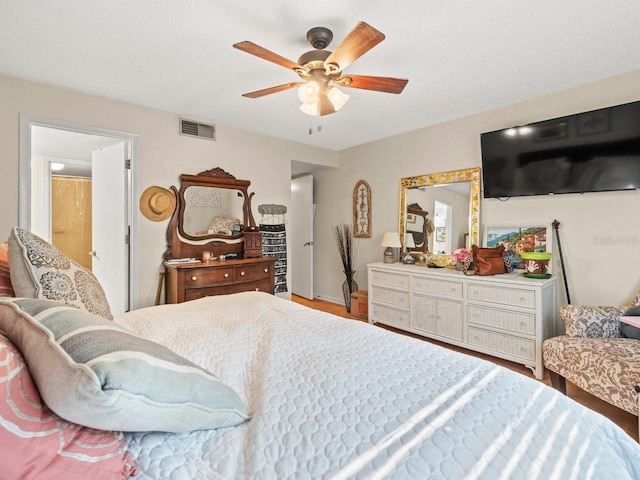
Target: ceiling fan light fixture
{"points": [[337, 98], [310, 109], [308, 92]]}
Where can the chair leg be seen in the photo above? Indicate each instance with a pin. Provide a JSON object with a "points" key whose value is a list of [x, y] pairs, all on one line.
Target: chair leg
{"points": [[558, 382]]}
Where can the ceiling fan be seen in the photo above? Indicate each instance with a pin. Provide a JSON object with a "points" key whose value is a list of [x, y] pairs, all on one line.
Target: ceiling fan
{"points": [[321, 70]]}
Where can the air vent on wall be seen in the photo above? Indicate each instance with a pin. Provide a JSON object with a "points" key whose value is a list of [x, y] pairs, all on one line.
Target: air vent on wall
{"points": [[197, 129]]}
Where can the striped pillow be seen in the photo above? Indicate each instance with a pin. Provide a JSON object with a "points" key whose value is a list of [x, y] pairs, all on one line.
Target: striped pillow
{"points": [[94, 372]]}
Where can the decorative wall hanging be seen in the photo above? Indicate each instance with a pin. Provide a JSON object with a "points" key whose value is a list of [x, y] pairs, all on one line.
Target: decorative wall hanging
{"points": [[362, 210]]}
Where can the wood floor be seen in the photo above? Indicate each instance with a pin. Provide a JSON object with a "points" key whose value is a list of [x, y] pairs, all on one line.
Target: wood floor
{"points": [[624, 419]]}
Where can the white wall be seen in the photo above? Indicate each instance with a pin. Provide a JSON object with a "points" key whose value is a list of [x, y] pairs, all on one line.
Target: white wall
{"points": [[163, 156], [600, 232]]}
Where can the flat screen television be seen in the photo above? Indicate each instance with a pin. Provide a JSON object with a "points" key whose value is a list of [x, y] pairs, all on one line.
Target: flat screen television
{"points": [[593, 151]]}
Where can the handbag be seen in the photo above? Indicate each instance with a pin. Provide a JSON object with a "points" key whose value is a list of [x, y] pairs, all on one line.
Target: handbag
{"points": [[491, 261]]}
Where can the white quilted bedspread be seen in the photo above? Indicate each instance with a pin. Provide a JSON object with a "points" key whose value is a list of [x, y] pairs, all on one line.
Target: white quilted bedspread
{"points": [[336, 398]]}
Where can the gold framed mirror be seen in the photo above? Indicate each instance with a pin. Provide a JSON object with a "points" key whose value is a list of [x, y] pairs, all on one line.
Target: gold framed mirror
{"points": [[459, 198]]}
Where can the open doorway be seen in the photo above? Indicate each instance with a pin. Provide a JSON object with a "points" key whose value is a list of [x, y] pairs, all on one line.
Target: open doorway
{"points": [[65, 198], [442, 222]]}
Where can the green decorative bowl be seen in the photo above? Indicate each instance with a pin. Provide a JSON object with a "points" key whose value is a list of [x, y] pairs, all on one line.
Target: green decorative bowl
{"points": [[535, 256], [536, 263]]}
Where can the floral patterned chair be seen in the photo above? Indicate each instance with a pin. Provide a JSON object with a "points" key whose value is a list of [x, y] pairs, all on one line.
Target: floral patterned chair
{"points": [[595, 357]]}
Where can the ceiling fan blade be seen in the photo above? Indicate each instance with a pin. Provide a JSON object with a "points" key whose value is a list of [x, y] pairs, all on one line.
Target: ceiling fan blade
{"points": [[358, 42], [379, 84], [325, 107], [269, 91], [268, 55]]}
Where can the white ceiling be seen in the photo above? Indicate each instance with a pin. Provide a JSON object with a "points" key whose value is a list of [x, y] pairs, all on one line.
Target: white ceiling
{"points": [[460, 57]]}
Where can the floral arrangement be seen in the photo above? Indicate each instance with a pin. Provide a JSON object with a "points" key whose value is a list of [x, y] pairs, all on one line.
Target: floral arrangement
{"points": [[460, 255]]}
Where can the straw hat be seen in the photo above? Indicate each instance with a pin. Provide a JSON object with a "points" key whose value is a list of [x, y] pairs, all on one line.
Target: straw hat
{"points": [[157, 203], [430, 226]]}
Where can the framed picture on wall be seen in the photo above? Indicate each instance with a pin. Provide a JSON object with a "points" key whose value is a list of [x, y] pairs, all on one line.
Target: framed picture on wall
{"points": [[518, 239], [362, 210], [441, 234]]}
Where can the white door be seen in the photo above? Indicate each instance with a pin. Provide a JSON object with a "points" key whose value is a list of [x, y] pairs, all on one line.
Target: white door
{"points": [[302, 236], [110, 224]]}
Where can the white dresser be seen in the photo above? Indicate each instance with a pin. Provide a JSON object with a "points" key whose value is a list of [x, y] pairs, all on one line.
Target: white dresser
{"points": [[507, 316]]}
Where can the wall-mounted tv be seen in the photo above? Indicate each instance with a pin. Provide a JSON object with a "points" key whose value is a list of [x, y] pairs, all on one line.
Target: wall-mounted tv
{"points": [[593, 151]]}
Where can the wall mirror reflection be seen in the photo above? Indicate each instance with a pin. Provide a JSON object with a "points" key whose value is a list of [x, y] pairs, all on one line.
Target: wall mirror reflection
{"points": [[213, 210], [440, 211]]}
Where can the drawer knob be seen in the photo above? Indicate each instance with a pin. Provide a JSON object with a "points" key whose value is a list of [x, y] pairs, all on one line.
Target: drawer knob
{"points": [[194, 278], [242, 274], [226, 275], [257, 289], [266, 270]]}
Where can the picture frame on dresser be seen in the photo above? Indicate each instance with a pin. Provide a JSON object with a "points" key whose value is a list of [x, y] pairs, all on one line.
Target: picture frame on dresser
{"points": [[531, 237]]}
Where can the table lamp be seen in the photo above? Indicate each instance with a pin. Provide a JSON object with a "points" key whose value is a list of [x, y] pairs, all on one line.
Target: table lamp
{"points": [[390, 240]]}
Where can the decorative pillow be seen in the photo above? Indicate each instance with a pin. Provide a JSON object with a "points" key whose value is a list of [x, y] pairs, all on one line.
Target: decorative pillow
{"points": [[222, 225], [6, 290], [36, 443], [591, 321], [40, 270], [96, 373]]}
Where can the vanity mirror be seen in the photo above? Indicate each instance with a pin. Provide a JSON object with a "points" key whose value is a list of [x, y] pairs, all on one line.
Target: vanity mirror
{"points": [[449, 207], [214, 246], [213, 213]]}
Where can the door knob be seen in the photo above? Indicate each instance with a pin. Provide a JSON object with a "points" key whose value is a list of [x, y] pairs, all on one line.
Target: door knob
{"points": [[93, 253], [307, 244]]}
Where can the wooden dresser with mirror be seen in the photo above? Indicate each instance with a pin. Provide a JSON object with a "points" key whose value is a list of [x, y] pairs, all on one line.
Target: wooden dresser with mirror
{"points": [[213, 215]]}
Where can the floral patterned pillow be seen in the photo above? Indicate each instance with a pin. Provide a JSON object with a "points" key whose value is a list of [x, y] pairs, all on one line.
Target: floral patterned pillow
{"points": [[39, 270], [222, 225]]}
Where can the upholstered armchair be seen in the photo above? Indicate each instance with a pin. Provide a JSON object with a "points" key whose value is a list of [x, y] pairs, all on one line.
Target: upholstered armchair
{"points": [[594, 356]]}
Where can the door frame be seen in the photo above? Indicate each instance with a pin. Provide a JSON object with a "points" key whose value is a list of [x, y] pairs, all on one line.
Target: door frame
{"points": [[24, 183]]}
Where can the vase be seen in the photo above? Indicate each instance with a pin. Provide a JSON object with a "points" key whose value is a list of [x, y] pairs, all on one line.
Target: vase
{"points": [[348, 287]]}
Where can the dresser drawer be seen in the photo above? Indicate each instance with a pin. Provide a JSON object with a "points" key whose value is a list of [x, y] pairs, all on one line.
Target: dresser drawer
{"points": [[437, 286], [248, 273], [516, 297], [498, 342], [391, 296], [204, 277], [389, 315], [391, 279], [258, 286], [504, 319]]}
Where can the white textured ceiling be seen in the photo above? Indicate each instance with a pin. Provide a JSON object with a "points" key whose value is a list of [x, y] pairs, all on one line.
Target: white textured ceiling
{"points": [[460, 57]]}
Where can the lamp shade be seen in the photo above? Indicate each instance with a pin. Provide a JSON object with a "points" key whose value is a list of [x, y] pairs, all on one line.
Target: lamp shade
{"points": [[408, 241], [391, 239]]}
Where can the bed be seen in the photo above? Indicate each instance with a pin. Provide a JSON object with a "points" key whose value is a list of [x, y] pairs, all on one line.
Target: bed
{"points": [[333, 398], [298, 394]]}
